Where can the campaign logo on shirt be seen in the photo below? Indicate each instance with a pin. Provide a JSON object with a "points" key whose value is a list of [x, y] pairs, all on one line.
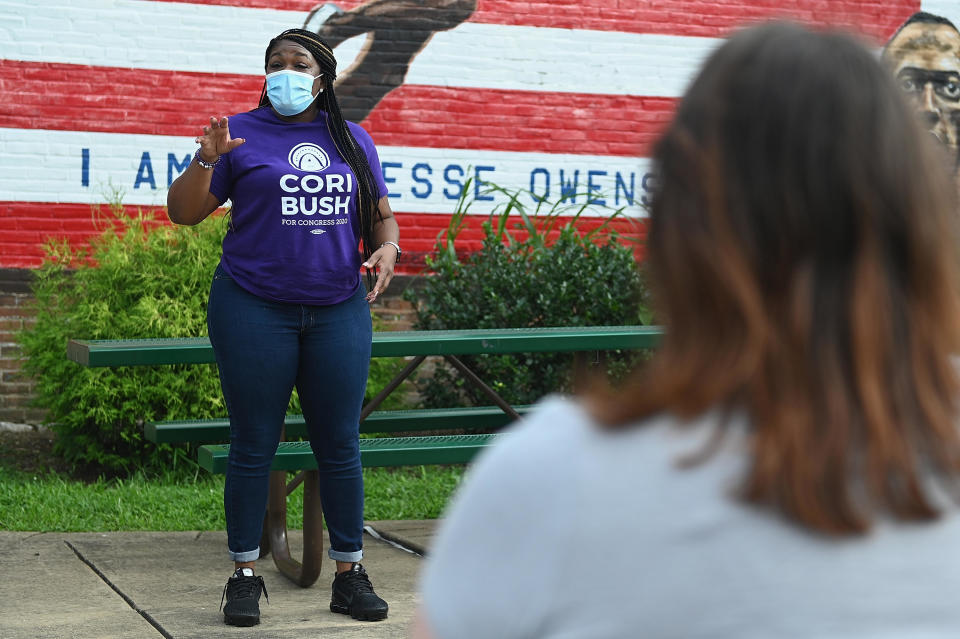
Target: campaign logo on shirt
{"points": [[308, 157]]}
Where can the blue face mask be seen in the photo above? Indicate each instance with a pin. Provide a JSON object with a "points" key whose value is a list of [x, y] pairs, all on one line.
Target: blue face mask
{"points": [[290, 92]]}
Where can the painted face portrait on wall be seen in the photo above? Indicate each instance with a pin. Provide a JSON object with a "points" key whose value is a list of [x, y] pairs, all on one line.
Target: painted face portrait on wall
{"points": [[924, 56]]}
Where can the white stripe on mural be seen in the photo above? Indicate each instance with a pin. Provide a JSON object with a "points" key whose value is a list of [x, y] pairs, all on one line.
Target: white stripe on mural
{"points": [[71, 166], [176, 37], [949, 9], [556, 60], [142, 35]]}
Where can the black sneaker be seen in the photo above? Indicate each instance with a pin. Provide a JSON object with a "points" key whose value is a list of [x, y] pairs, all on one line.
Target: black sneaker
{"points": [[353, 595], [242, 593]]}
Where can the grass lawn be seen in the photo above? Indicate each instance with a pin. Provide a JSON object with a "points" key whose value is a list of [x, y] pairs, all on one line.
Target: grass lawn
{"points": [[38, 498]]}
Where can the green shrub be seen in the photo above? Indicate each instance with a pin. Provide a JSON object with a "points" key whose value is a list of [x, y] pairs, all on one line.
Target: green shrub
{"points": [[540, 273], [138, 280]]}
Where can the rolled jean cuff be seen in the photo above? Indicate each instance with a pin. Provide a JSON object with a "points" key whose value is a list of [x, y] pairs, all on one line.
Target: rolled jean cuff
{"points": [[249, 555], [352, 556]]}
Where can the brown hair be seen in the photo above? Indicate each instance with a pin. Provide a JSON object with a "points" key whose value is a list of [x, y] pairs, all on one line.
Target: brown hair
{"points": [[802, 251]]}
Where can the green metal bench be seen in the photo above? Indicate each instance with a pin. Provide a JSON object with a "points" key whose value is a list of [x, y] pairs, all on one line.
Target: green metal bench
{"points": [[204, 431], [390, 451], [384, 451], [197, 350]]}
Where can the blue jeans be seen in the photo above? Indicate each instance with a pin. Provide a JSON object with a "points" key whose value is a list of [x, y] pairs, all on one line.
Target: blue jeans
{"points": [[264, 349]]}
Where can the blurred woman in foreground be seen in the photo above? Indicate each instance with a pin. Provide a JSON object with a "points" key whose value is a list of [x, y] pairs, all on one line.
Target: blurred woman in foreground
{"points": [[787, 464]]}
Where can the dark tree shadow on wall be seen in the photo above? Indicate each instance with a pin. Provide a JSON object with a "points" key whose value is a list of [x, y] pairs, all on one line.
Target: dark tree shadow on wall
{"points": [[397, 30]]}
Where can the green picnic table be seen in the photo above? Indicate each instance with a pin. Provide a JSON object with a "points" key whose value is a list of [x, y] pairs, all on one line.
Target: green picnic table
{"points": [[382, 451]]}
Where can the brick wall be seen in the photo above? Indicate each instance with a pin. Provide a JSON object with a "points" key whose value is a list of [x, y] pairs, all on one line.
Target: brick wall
{"points": [[15, 314]]}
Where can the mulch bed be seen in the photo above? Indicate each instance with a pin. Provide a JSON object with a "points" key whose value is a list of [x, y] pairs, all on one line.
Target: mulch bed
{"points": [[30, 451]]}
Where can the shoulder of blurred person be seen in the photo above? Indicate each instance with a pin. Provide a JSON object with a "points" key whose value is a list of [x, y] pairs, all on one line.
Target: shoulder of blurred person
{"points": [[521, 529], [566, 528]]}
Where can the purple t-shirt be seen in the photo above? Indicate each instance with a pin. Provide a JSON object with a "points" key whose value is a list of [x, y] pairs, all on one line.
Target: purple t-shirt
{"points": [[294, 231]]}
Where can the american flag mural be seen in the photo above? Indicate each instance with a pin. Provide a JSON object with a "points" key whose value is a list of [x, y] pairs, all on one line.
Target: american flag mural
{"points": [[102, 98]]}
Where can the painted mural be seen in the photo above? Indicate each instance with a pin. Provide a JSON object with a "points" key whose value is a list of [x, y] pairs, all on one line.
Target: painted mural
{"points": [[102, 99], [924, 56], [394, 32]]}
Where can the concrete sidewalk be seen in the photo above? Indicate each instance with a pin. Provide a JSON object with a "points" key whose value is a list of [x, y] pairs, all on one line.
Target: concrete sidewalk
{"points": [[148, 584]]}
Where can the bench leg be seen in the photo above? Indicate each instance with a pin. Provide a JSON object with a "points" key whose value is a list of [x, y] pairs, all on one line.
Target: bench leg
{"points": [[486, 390], [392, 386], [275, 529]]}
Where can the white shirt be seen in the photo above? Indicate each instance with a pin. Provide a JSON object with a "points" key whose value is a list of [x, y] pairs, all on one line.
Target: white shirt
{"points": [[563, 530]]}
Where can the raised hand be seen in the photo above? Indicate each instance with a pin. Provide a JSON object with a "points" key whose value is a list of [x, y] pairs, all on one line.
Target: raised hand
{"points": [[216, 140]]}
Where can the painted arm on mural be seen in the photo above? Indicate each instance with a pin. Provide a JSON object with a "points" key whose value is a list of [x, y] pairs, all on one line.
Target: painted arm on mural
{"points": [[397, 30], [189, 200]]}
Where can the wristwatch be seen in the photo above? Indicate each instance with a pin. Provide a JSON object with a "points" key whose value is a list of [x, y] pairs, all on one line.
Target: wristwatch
{"points": [[394, 245]]}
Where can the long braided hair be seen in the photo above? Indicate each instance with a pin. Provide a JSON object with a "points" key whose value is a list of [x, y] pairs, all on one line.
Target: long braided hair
{"points": [[347, 146]]}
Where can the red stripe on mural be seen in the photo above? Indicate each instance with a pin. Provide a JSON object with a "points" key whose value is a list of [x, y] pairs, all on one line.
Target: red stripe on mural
{"points": [[277, 5], [25, 227], [117, 100], [499, 120], [877, 18], [71, 97]]}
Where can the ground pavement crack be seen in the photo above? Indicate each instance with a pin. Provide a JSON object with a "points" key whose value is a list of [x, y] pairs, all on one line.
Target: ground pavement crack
{"points": [[130, 602], [396, 541]]}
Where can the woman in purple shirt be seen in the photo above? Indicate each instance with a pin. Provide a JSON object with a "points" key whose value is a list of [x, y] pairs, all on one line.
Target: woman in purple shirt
{"points": [[287, 306]]}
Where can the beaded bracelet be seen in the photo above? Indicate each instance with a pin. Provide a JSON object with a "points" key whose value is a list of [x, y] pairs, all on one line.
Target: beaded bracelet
{"points": [[204, 164]]}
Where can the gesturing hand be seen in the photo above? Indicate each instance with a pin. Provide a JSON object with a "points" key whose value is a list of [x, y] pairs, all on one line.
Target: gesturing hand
{"points": [[216, 140]]}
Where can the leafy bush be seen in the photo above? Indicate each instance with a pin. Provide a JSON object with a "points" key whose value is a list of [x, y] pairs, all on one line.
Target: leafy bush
{"points": [[139, 279], [540, 273]]}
